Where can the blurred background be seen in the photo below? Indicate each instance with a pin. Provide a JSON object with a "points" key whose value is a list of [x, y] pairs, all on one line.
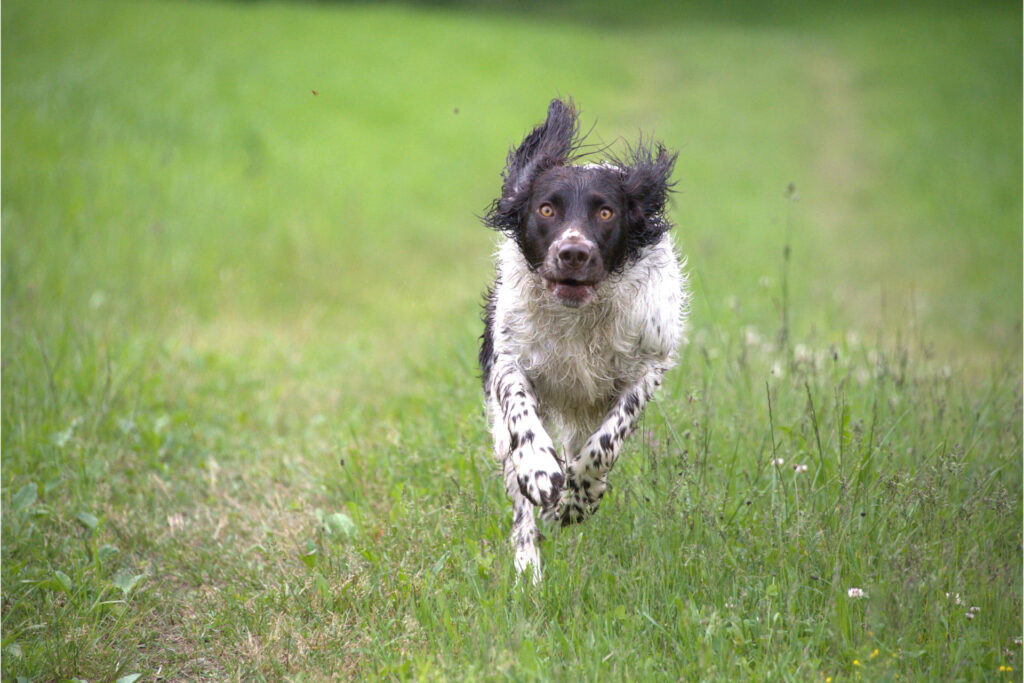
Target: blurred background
{"points": [[217, 167]]}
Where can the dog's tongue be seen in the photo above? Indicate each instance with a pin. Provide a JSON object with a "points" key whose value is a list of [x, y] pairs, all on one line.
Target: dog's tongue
{"points": [[572, 295]]}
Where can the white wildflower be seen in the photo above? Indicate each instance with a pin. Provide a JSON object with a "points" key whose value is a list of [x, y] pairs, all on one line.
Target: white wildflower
{"points": [[778, 462], [98, 298], [856, 593]]}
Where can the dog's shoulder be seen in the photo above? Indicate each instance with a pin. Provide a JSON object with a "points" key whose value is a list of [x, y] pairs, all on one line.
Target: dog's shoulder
{"points": [[656, 299]]}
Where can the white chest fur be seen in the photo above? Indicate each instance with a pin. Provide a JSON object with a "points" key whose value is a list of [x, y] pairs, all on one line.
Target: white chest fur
{"points": [[580, 359]]}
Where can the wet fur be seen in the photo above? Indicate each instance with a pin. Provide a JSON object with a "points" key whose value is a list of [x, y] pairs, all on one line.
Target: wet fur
{"points": [[581, 376]]}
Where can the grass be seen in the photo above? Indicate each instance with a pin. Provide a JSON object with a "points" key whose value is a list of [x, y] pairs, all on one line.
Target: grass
{"points": [[242, 427]]}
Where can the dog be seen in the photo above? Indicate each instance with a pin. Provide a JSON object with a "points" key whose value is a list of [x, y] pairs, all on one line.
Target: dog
{"points": [[584, 317]]}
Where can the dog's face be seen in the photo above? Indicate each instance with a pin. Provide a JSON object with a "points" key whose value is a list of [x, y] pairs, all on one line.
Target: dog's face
{"points": [[574, 229], [577, 224]]}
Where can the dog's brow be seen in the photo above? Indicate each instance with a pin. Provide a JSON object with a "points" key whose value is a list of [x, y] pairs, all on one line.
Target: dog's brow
{"points": [[554, 196]]}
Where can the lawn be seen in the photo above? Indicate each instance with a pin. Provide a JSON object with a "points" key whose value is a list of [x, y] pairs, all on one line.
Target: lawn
{"points": [[242, 426]]}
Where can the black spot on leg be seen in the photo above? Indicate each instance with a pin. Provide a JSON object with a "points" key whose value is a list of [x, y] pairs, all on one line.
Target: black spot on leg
{"points": [[520, 513], [524, 486], [528, 436], [606, 443], [631, 402]]}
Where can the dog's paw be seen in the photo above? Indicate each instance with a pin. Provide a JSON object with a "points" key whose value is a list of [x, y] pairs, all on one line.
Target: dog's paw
{"points": [[579, 501], [539, 475], [527, 562]]}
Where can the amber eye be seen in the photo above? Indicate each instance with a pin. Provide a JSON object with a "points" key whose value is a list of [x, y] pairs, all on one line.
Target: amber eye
{"points": [[546, 210], [605, 214]]}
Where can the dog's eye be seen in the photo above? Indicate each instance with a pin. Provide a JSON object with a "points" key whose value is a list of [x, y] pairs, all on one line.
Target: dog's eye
{"points": [[546, 210], [605, 214]]}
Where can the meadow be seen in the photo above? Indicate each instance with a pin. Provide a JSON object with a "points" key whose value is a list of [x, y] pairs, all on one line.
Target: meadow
{"points": [[242, 426]]}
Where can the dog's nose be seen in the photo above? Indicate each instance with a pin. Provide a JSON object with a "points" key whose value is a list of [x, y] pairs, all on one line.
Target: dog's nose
{"points": [[573, 256]]}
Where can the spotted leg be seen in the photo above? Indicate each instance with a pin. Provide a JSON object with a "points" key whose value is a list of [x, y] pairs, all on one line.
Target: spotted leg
{"points": [[588, 469], [529, 450], [525, 535]]}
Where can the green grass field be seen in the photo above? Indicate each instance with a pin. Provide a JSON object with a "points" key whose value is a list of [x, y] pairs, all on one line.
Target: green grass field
{"points": [[242, 428]]}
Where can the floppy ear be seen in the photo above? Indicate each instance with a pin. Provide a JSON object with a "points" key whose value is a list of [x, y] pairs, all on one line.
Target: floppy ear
{"points": [[550, 144], [646, 185]]}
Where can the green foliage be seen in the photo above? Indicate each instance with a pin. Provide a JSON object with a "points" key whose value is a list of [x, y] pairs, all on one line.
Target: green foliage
{"points": [[242, 434]]}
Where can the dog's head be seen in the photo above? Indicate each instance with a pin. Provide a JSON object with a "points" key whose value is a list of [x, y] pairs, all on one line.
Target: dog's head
{"points": [[576, 224]]}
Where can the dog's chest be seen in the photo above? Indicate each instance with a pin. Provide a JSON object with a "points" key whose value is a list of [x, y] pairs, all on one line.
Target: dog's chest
{"points": [[578, 363], [579, 360]]}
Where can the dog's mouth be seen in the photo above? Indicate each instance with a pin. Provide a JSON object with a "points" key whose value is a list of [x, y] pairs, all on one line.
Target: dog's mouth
{"points": [[572, 292]]}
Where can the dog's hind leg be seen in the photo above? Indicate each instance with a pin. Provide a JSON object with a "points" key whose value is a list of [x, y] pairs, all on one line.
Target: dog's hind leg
{"points": [[525, 537]]}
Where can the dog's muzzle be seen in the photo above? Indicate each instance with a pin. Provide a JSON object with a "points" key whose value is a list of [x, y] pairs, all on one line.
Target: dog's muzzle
{"points": [[573, 269]]}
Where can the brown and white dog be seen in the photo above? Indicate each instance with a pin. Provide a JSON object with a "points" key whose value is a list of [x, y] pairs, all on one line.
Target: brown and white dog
{"points": [[587, 308]]}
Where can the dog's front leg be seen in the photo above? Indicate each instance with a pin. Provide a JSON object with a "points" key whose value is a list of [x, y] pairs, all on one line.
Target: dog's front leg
{"points": [[587, 470], [531, 452]]}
